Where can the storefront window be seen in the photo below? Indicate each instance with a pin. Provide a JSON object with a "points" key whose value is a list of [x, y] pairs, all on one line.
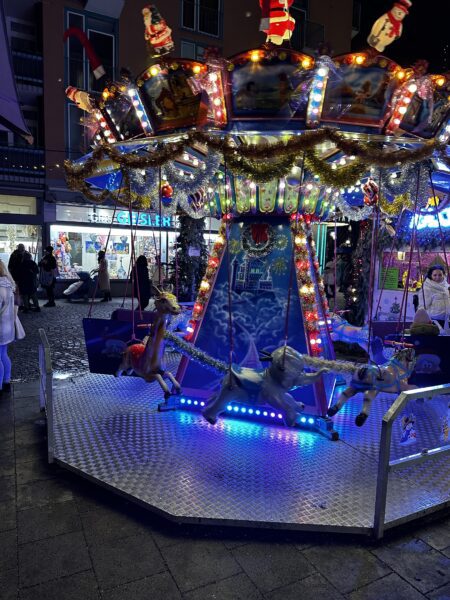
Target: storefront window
{"points": [[11, 235], [76, 248]]}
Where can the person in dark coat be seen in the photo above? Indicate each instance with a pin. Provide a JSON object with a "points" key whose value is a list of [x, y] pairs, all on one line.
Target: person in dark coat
{"points": [[142, 287], [15, 261], [28, 273], [47, 278]]}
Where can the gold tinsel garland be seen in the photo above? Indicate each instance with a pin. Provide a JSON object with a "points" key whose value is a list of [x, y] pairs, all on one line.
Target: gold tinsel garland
{"points": [[395, 207], [247, 159], [339, 178]]}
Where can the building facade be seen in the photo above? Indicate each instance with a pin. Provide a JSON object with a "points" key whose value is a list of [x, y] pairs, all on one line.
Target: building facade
{"points": [[36, 207]]}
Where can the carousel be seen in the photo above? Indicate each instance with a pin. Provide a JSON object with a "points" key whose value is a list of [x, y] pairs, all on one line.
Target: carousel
{"points": [[252, 421]]}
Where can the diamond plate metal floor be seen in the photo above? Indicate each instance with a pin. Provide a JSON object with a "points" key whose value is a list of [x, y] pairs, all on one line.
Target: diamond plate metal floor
{"points": [[237, 472]]}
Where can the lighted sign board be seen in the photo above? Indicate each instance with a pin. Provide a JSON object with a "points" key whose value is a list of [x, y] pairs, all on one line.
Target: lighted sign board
{"points": [[143, 219], [430, 220]]}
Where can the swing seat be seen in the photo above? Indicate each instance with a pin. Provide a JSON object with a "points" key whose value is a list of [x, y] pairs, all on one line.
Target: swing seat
{"points": [[106, 340]]}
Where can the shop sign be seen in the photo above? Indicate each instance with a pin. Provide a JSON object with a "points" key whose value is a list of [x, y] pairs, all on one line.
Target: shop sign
{"points": [[140, 219]]}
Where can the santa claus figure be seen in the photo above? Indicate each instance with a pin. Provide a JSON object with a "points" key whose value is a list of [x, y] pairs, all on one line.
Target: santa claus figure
{"points": [[157, 33], [389, 26], [276, 21]]}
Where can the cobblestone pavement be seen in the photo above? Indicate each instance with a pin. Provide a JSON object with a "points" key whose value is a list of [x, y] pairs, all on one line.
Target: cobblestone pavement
{"points": [[64, 329], [62, 538]]}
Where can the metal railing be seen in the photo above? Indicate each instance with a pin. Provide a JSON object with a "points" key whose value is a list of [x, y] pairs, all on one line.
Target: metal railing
{"points": [[385, 465], [46, 390]]}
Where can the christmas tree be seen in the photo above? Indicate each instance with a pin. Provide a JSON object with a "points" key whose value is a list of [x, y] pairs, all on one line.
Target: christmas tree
{"points": [[191, 256]]}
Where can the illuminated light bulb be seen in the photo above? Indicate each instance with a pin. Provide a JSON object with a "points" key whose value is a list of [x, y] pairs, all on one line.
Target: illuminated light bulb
{"points": [[255, 56], [309, 186], [220, 240], [334, 166], [196, 69], [312, 341], [105, 94], [360, 59], [315, 111], [218, 113], [195, 162], [306, 62], [213, 76], [402, 110], [322, 72], [131, 93], [252, 185], [198, 307], [440, 81], [204, 285], [140, 113], [412, 88], [107, 132], [298, 240], [102, 124], [304, 289], [210, 190], [342, 161], [397, 121], [145, 123], [406, 100], [185, 156], [217, 101], [180, 172], [135, 102], [328, 190], [98, 137], [282, 185], [319, 341], [317, 97], [400, 74]]}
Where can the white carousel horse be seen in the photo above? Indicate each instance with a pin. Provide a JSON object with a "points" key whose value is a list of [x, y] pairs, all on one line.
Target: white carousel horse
{"points": [[371, 379]]}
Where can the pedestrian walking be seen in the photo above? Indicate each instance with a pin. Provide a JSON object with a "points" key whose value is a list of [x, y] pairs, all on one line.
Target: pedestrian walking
{"points": [[8, 324], [47, 275], [141, 282], [28, 275], [104, 285]]}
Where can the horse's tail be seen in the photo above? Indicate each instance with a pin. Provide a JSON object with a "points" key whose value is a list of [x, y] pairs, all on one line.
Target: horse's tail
{"points": [[336, 366], [187, 349]]}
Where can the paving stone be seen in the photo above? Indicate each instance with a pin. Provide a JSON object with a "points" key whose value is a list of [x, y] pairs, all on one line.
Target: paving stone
{"points": [[442, 593], [196, 563], [271, 565], [27, 415], [391, 587], [82, 586], [39, 493], [8, 584], [157, 587], [422, 566], [35, 470], [446, 551], [128, 559], [313, 587], [7, 489], [437, 535], [238, 587], [346, 567], [8, 550], [7, 515], [52, 558], [109, 524], [47, 521], [7, 463]]}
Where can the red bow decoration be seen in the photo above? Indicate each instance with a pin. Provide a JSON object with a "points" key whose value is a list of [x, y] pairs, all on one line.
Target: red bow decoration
{"points": [[260, 233]]}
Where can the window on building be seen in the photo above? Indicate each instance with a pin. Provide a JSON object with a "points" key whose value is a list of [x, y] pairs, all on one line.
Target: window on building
{"points": [[102, 33], [298, 35], [203, 16], [192, 50], [23, 35]]}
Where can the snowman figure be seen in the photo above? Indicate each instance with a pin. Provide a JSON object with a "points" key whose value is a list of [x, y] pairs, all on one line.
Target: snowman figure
{"points": [[389, 26]]}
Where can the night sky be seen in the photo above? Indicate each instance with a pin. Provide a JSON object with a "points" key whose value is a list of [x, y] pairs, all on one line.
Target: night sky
{"points": [[426, 33]]}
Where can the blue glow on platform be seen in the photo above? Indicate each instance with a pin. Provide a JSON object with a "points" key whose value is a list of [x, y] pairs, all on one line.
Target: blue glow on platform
{"points": [[236, 409]]}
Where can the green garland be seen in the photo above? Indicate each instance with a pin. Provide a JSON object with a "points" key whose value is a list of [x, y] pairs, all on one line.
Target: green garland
{"points": [[258, 171]]}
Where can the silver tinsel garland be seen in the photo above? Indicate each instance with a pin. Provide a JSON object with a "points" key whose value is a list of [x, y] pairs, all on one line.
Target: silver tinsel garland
{"points": [[354, 213], [406, 183]]}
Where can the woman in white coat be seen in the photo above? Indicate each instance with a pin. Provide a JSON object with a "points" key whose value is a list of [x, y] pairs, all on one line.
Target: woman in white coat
{"points": [[7, 326], [436, 293]]}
